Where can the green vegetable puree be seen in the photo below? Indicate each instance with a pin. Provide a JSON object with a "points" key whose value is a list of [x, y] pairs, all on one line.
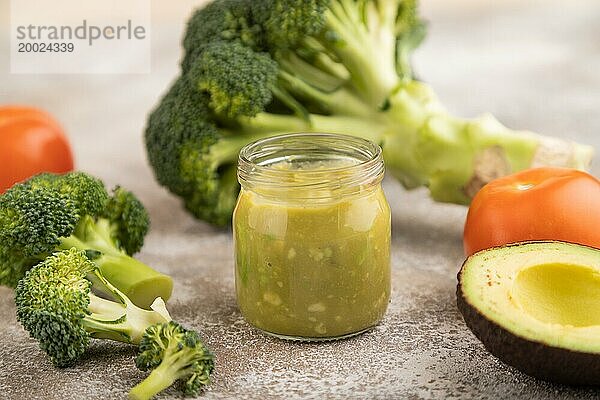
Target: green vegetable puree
{"points": [[313, 269]]}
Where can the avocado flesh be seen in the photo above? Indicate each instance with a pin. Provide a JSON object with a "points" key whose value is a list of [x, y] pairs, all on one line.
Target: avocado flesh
{"points": [[535, 306]]}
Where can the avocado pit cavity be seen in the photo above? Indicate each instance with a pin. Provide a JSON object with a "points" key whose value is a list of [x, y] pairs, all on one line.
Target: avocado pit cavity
{"points": [[560, 294]]}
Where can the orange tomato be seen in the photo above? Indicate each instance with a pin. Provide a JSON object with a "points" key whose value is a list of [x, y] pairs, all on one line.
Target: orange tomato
{"points": [[31, 141], [536, 204]]}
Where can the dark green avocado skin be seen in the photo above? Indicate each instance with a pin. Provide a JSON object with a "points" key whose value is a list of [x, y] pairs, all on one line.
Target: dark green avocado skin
{"points": [[533, 358]]}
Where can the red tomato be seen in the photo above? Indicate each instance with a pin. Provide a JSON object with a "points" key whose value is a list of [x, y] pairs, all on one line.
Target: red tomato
{"points": [[536, 204], [31, 141]]}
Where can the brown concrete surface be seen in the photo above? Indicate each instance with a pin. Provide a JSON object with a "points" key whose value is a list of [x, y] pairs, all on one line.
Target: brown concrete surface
{"points": [[533, 64]]}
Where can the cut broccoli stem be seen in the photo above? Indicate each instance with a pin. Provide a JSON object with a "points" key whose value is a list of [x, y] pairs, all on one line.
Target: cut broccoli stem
{"points": [[128, 328], [103, 308], [137, 280], [119, 320]]}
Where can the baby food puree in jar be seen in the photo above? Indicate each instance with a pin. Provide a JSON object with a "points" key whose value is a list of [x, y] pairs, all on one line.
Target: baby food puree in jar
{"points": [[312, 236]]}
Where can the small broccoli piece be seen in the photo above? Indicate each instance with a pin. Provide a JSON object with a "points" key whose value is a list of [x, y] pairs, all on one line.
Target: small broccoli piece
{"points": [[56, 306], [258, 68], [173, 353], [52, 212]]}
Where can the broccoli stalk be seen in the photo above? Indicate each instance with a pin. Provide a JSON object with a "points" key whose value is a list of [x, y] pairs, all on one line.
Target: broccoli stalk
{"points": [[455, 157], [55, 212], [254, 69], [173, 353], [134, 278], [119, 319], [364, 33], [55, 304]]}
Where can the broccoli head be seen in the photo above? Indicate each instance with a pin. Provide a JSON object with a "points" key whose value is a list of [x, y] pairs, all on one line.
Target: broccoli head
{"points": [[259, 68], [55, 304], [52, 212]]}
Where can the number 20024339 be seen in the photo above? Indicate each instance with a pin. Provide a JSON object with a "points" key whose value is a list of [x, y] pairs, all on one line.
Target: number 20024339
{"points": [[35, 47]]}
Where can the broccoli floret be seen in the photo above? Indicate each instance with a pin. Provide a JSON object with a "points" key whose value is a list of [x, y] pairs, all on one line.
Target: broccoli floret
{"points": [[286, 23], [245, 92], [173, 353], [52, 212], [228, 20], [56, 306], [130, 221], [258, 68]]}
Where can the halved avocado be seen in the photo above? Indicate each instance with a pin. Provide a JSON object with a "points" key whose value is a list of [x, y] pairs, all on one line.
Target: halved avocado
{"points": [[536, 306]]}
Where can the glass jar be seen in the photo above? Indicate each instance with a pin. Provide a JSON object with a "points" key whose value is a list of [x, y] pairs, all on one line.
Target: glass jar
{"points": [[312, 236]]}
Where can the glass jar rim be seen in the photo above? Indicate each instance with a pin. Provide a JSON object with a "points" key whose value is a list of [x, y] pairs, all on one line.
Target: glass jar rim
{"points": [[256, 160]]}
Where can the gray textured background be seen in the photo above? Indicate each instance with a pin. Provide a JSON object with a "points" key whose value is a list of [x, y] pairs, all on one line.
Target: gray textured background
{"points": [[533, 64]]}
